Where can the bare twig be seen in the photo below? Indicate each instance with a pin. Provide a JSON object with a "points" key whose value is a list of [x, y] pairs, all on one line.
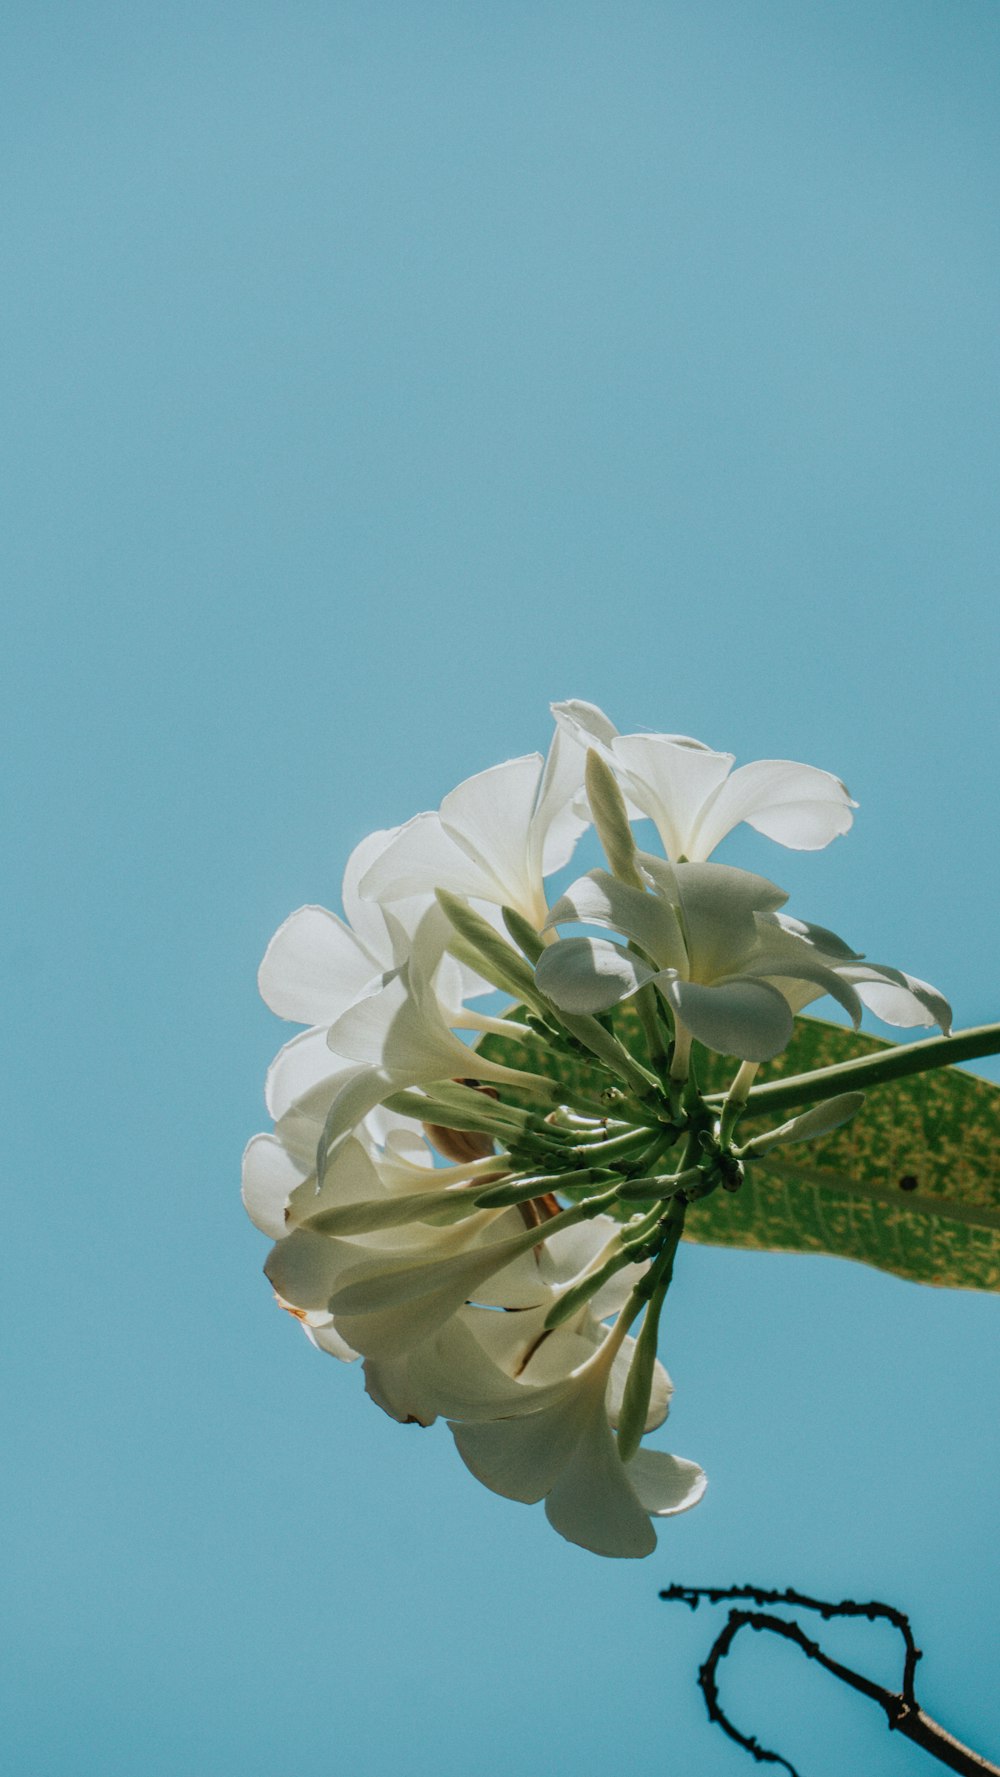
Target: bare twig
{"points": [[903, 1712]]}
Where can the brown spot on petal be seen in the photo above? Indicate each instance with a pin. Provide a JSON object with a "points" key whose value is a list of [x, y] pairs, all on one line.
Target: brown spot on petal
{"points": [[532, 1348], [537, 1210], [463, 1145], [459, 1144]]}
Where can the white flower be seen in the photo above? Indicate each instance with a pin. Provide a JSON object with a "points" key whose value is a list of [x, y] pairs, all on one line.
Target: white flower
{"points": [[481, 1291], [559, 1446], [694, 796], [732, 969]]}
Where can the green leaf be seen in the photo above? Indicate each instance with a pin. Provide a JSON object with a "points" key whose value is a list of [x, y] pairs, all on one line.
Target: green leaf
{"points": [[911, 1186]]}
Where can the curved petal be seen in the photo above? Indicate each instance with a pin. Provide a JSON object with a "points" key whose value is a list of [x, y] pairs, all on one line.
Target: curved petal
{"points": [[363, 914], [590, 728], [587, 724], [719, 907], [421, 858], [592, 1502], [402, 1326], [326, 1338], [649, 920], [305, 1268], [797, 805], [589, 974], [898, 998], [351, 1178], [665, 1484], [557, 822], [269, 1178], [613, 1295], [821, 938], [567, 1253], [458, 1377], [389, 1029], [787, 965], [749, 1019], [315, 967], [491, 816], [300, 1067], [342, 1104], [670, 779], [521, 1458]]}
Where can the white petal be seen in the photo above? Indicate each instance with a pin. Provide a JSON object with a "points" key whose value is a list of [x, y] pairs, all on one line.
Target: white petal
{"points": [[797, 805], [589, 974], [569, 1251], [314, 967], [749, 1019], [613, 1295], [791, 965], [355, 1092], [522, 1458], [592, 1502], [556, 823], [386, 1280], [587, 724], [898, 998], [390, 1029], [670, 781], [818, 937], [305, 1268], [269, 1178], [490, 816], [665, 1484], [451, 1373], [719, 906], [520, 1283], [363, 914], [650, 920], [299, 1068], [326, 1338], [350, 1178], [421, 858], [397, 1385]]}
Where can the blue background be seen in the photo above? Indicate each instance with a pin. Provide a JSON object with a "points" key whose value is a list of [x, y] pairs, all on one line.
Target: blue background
{"points": [[373, 374]]}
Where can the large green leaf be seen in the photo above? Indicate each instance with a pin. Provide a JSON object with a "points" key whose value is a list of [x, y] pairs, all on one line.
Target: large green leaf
{"points": [[911, 1186]]}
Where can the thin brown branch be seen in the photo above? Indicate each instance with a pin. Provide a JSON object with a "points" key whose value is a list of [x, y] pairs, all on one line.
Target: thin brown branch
{"points": [[902, 1711]]}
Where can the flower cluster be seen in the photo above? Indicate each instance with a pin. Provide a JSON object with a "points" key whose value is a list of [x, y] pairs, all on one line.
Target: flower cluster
{"points": [[487, 1239]]}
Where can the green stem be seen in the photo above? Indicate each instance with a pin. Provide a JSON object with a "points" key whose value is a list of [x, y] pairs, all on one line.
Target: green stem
{"points": [[658, 1185], [867, 1071], [542, 1184], [639, 1382]]}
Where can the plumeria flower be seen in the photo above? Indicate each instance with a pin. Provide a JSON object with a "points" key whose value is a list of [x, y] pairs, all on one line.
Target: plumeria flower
{"points": [[317, 966], [496, 1243], [695, 797], [559, 1446], [709, 938]]}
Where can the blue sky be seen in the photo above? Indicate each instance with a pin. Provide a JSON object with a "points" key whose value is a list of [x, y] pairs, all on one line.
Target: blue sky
{"points": [[373, 375]]}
